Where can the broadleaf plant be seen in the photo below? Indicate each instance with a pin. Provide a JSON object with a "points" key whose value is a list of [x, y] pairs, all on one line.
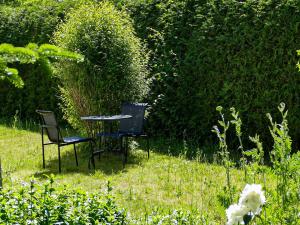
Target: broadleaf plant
{"points": [[10, 54]]}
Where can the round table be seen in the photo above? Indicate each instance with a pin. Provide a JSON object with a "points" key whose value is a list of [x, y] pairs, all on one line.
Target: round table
{"points": [[106, 118], [95, 119]]}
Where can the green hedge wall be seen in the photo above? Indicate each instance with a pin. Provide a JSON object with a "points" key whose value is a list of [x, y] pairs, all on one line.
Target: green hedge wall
{"points": [[25, 22], [230, 53]]}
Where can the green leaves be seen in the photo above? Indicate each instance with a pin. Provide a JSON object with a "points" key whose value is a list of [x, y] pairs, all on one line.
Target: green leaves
{"points": [[30, 54], [54, 52], [11, 54], [31, 21], [12, 75], [284, 165], [34, 203]]}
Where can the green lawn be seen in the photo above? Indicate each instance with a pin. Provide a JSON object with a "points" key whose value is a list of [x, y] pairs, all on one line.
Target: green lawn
{"points": [[164, 181]]}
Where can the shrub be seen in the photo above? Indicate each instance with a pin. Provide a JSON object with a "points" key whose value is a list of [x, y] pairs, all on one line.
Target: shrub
{"points": [[208, 53], [46, 204], [115, 62]]}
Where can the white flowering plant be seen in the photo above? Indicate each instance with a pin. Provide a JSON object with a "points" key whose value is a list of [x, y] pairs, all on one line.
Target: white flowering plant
{"points": [[283, 203], [224, 153], [249, 205]]}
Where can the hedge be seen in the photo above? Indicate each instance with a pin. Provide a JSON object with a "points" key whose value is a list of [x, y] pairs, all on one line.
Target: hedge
{"points": [[206, 53], [210, 53]]}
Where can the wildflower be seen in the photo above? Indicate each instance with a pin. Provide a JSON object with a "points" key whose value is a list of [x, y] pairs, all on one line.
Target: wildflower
{"points": [[24, 184], [253, 198], [235, 214], [250, 202]]}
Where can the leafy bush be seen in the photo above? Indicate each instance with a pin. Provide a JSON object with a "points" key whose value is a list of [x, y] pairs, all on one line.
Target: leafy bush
{"points": [[25, 22], [115, 62], [208, 53], [46, 204], [49, 203]]}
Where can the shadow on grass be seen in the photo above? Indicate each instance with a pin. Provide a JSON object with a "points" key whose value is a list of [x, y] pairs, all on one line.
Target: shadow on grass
{"points": [[109, 163], [180, 148], [207, 153]]}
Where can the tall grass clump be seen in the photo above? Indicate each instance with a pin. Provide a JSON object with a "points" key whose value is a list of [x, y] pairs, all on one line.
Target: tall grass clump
{"points": [[115, 62]]}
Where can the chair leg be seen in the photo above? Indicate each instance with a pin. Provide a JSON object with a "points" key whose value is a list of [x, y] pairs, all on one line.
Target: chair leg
{"points": [[100, 147], [148, 147], [126, 149], [59, 162], [123, 151], [43, 148], [75, 155], [91, 159]]}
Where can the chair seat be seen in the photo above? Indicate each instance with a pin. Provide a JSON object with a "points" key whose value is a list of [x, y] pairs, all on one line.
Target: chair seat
{"points": [[75, 139]]}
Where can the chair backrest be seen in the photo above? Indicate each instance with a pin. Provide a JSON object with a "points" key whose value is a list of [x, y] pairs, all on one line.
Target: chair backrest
{"points": [[50, 124], [136, 123]]}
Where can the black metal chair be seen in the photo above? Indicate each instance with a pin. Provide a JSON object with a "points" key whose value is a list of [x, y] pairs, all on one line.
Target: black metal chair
{"points": [[50, 124], [133, 127]]}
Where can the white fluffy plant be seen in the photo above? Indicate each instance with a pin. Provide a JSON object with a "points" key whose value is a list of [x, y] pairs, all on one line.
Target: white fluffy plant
{"points": [[249, 206]]}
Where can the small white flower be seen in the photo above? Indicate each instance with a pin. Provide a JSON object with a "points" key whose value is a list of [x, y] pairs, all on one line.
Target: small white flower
{"points": [[253, 198], [24, 184], [235, 214]]}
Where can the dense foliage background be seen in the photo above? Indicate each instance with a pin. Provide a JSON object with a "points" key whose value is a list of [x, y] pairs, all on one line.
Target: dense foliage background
{"points": [[203, 54], [230, 53], [21, 23]]}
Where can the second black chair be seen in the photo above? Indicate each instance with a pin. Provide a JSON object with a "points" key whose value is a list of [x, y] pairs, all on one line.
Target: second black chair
{"points": [[133, 127]]}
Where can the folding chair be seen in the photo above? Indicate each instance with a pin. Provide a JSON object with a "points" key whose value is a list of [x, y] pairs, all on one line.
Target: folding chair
{"points": [[133, 127], [50, 125]]}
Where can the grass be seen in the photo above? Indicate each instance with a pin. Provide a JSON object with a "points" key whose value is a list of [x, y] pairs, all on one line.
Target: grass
{"points": [[163, 182]]}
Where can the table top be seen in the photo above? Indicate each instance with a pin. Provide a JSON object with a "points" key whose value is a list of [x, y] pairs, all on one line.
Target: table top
{"points": [[106, 118]]}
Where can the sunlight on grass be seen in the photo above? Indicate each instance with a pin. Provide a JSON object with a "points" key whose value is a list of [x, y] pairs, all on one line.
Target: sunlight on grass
{"points": [[163, 181]]}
